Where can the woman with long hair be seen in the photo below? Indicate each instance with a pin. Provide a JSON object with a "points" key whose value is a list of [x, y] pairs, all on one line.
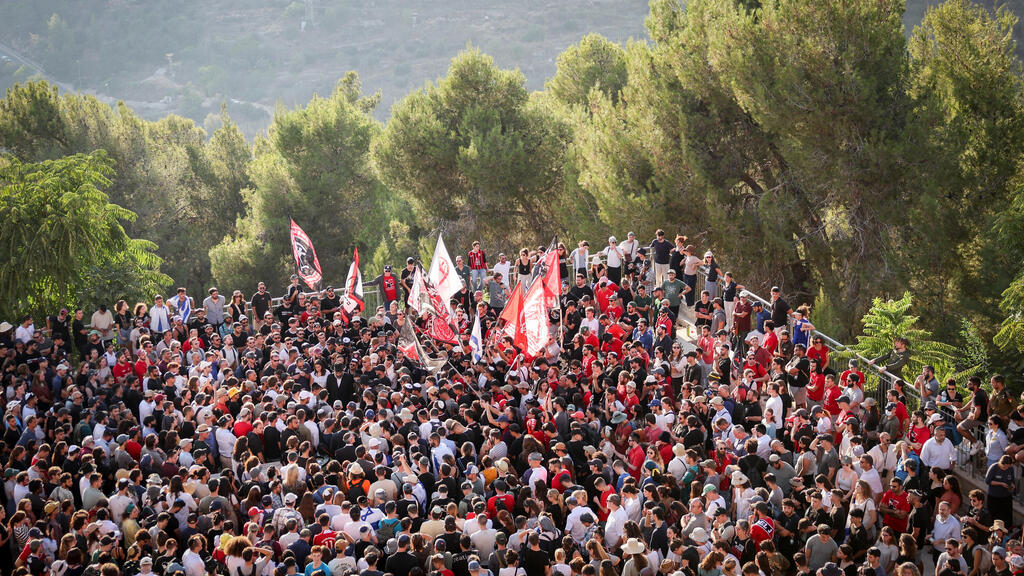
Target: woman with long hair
{"points": [[237, 306], [951, 492], [979, 558], [888, 545], [864, 499], [711, 565], [636, 561], [907, 550], [176, 491]]}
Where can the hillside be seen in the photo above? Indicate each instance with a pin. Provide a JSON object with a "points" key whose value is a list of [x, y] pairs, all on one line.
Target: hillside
{"points": [[188, 58]]}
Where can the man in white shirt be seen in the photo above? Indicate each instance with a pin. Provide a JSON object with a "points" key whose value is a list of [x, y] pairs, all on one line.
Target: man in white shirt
{"points": [[617, 517], [573, 525], [503, 266], [884, 454], [774, 403], [869, 474], [25, 331], [630, 247], [946, 527], [938, 452], [537, 472]]}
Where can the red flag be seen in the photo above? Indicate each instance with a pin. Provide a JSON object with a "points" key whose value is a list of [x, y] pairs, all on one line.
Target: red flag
{"points": [[552, 280], [513, 317], [535, 321], [305, 256]]}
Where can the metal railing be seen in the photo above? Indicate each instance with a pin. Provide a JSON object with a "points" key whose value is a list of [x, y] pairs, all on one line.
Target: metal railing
{"points": [[877, 385]]}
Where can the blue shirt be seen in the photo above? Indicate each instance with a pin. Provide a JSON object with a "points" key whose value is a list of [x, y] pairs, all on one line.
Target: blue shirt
{"points": [[760, 319], [800, 336]]}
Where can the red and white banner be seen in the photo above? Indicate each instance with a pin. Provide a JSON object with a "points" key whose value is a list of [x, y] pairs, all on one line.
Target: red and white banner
{"points": [[352, 300], [305, 256], [410, 345], [513, 317], [552, 280], [535, 322], [429, 302]]}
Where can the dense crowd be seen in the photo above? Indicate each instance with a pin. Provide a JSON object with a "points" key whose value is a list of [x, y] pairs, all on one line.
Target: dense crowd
{"points": [[256, 436]]}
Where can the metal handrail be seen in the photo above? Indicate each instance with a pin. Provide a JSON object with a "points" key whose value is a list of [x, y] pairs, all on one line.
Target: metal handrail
{"points": [[884, 377]]}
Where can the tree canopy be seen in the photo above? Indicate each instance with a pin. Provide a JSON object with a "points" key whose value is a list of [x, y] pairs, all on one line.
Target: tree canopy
{"points": [[814, 145]]}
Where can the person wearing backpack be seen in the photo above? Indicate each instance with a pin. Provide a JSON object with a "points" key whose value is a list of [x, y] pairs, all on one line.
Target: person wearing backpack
{"points": [[390, 525]]}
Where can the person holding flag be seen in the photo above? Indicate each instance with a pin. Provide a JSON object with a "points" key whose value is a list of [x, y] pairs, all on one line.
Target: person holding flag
{"points": [[352, 302]]}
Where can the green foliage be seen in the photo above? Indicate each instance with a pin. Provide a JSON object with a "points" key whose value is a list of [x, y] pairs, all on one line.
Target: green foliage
{"points": [[594, 62], [185, 189], [313, 166], [888, 320], [30, 121], [965, 82], [63, 242], [473, 151]]}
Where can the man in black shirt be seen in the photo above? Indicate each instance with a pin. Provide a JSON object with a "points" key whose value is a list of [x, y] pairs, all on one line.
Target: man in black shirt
{"points": [[780, 308], [534, 560], [919, 522], [661, 254], [260, 304], [402, 562], [60, 325], [581, 289], [407, 276], [329, 303]]}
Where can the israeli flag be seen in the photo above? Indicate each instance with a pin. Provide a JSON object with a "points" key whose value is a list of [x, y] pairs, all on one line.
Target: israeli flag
{"points": [[476, 340]]}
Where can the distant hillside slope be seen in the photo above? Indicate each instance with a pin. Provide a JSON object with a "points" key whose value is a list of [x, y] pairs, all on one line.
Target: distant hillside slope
{"points": [[189, 57]]}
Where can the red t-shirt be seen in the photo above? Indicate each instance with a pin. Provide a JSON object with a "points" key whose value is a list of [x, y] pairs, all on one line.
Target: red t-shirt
{"points": [[891, 500], [762, 529], [846, 374], [771, 342], [919, 436], [831, 395], [820, 355], [325, 538], [817, 393]]}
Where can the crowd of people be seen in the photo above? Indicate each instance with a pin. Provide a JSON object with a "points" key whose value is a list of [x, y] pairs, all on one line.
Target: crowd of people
{"points": [[261, 436]]}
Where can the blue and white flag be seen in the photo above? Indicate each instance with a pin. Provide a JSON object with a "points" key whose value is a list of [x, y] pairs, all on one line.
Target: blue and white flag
{"points": [[476, 340], [184, 308]]}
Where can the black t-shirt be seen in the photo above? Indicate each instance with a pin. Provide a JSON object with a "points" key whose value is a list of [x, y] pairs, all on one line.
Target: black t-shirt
{"points": [[407, 276], [662, 251], [779, 312], [803, 375], [729, 294], [533, 561], [919, 518], [329, 303], [80, 339], [401, 564], [60, 328], [261, 304], [702, 308], [979, 399]]}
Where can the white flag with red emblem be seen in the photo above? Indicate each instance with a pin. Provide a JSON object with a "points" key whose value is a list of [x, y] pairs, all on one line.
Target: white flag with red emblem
{"points": [[442, 272]]}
